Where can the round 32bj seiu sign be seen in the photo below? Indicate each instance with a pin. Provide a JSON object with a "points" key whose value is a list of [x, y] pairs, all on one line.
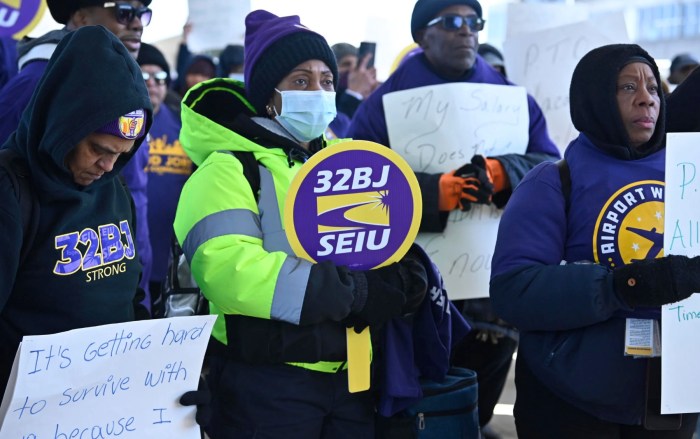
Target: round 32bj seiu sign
{"points": [[19, 17], [355, 203]]}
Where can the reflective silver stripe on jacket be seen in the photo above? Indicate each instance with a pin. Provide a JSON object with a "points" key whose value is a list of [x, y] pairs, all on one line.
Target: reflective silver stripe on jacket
{"points": [[274, 236], [290, 290], [226, 222], [293, 276]]}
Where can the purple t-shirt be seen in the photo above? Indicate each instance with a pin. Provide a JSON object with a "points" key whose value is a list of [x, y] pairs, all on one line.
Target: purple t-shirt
{"points": [[168, 169], [136, 180]]}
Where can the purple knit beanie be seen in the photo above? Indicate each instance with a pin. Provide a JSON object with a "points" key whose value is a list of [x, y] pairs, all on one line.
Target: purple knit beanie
{"points": [[130, 126], [273, 47]]}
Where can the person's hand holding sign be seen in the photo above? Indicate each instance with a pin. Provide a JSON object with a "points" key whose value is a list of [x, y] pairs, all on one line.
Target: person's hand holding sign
{"points": [[473, 183], [387, 292], [478, 186]]}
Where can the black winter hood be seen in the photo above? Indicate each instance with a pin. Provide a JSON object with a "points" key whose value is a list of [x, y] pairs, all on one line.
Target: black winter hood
{"points": [[89, 81], [593, 100]]}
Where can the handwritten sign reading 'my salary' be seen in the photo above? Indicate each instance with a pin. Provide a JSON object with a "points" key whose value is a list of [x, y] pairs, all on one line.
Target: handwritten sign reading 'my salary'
{"points": [[439, 128], [122, 380]]}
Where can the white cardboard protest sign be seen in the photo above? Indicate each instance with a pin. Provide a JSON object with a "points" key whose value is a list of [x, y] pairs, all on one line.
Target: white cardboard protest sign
{"points": [[526, 18], [119, 380], [216, 23], [543, 62], [680, 322], [439, 128]]}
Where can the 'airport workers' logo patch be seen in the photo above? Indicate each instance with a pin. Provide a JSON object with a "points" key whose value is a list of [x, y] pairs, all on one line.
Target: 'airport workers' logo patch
{"points": [[355, 203], [631, 225], [19, 17]]}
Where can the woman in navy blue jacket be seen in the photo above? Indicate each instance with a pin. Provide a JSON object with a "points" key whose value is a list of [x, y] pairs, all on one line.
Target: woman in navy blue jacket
{"points": [[571, 266]]}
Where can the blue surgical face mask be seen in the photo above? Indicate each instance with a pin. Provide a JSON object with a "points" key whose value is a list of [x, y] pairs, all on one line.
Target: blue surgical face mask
{"points": [[306, 114]]}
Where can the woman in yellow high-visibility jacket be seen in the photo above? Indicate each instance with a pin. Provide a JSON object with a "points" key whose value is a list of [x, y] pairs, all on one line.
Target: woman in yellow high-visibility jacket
{"points": [[279, 369]]}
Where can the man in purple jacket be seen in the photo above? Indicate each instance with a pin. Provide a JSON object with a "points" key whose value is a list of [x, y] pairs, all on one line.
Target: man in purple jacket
{"points": [[126, 20], [447, 32]]}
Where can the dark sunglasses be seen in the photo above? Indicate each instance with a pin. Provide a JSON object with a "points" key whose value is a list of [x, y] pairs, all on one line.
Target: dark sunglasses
{"points": [[159, 77], [125, 13], [455, 22]]}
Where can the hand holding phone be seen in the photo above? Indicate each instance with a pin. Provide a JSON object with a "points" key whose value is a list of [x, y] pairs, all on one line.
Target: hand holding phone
{"points": [[366, 47]]}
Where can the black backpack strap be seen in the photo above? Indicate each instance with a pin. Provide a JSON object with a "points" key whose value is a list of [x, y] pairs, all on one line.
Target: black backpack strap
{"points": [[179, 299], [250, 170], [565, 177], [18, 172]]}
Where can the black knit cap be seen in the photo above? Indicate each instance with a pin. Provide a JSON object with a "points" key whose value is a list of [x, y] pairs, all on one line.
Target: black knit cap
{"points": [[61, 10], [273, 47], [593, 100], [426, 10], [232, 56], [149, 54]]}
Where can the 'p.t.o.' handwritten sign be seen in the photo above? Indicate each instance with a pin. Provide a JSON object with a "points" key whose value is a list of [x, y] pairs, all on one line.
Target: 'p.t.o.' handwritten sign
{"points": [[544, 61], [121, 380], [440, 128], [680, 322]]}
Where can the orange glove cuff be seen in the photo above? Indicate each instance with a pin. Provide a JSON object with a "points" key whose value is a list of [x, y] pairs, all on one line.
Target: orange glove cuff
{"points": [[497, 175], [450, 191]]}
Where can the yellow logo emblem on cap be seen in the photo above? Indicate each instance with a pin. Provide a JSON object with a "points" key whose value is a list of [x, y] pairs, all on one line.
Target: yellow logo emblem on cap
{"points": [[131, 124]]}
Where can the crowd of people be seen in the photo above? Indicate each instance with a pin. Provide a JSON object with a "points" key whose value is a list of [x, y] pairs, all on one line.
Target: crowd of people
{"points": [[160, 154]]}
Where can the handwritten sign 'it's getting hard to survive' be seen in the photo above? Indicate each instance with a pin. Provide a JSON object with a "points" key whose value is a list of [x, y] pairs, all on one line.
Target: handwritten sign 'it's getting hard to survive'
{"points": [[113, 381]]}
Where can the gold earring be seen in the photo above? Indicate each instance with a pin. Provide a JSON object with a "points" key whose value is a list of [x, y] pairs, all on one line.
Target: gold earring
{"points": [[268, 107]]}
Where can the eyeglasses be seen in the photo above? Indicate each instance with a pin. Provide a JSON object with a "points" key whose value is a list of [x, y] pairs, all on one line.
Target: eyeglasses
{"points": [[455, 22], [159, 77], [125, 13]]}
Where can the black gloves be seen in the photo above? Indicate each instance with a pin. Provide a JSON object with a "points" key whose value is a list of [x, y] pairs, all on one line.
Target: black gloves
{"points": [[382, 291], [656, 282], [478, 186], [415, 280], [202, 399], [387, 292]]}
